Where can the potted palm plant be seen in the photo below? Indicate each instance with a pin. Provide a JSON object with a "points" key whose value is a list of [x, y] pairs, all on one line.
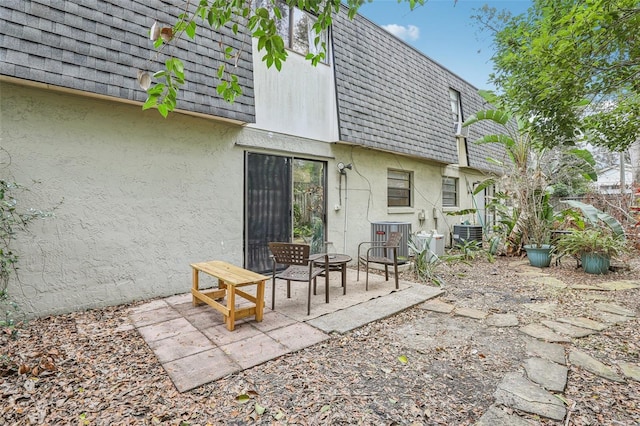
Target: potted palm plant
{"points": [[595, 238], [527, 181]]}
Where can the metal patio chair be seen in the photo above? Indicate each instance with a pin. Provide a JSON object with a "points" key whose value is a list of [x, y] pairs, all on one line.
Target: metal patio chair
{"points": [[389, 250], [300, 267]]}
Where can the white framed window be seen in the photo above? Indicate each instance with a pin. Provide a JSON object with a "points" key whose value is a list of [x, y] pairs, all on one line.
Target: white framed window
{"points": [[398, 188], [449, 191], [456, 111], [296, 29]]}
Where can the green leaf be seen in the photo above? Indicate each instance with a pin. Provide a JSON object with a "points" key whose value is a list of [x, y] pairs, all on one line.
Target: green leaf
{"points": [[191, 30], [156, 90], [612, 223], [243, 398], [220, 70], [484, 185], [325, 408], [403, 359], [505, 140], [178, 66], [262, 12], [497, 116], [163, 110], [151, 102], [260, 409]]}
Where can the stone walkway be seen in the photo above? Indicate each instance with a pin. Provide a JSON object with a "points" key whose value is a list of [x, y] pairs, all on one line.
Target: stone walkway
{"points": [[538, 387]]}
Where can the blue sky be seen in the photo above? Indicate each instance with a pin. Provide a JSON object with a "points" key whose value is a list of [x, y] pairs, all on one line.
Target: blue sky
{"points": [[444, 32]]}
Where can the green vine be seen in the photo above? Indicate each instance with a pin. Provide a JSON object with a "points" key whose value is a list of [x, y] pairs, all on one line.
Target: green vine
{"points": [[13, 220]]}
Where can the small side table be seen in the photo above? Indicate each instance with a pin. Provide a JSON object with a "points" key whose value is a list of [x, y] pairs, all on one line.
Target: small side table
{"points": [[337, 262], [229, 278]]}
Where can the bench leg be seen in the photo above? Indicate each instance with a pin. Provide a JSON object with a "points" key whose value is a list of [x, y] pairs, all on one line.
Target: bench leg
{"points": [[194, 299], [231, 306], [260, 301]]}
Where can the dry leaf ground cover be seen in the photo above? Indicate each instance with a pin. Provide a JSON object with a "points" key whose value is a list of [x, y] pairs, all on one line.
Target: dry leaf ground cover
{"points": [[417, 367]]}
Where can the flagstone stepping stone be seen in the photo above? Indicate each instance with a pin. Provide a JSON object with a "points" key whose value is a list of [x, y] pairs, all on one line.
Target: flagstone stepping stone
{"points": [[597, 296], [549, 281], [568, 329], [630, 370], [517, 392], [541, 332], [614, 319], [502, 320], [584, 323], [551, 351], [470, 313], [437, 306], [543, 308], [495, 416], [612, 308], [587, 287], [620, 285], [549, 375], [531, 273], [594, 366]]}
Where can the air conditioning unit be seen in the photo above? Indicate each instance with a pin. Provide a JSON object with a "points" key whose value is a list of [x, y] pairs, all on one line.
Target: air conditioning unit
{"points": [[380, 233], [461, 132], [463, 233]]}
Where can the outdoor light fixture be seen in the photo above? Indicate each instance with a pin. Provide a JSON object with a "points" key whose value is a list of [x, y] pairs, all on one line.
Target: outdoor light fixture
{"points": [[342, 167]]}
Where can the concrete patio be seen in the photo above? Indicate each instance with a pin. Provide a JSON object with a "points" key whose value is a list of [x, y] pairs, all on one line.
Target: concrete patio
{"points": [[194, 346]]}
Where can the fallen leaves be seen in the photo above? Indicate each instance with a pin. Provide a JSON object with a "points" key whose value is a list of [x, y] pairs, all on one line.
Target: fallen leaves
{"points": [[416, 367]]}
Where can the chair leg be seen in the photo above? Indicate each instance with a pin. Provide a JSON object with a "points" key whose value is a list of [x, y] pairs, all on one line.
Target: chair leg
{"points": [[309, 299], [314, 286], [273, 294], [288, 289], [358, 274], [386, 272], [366, 286], [326, 287], [395, 274]]}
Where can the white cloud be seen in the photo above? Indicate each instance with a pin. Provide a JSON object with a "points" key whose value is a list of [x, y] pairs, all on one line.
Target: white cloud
{"points": [[408, 33]]}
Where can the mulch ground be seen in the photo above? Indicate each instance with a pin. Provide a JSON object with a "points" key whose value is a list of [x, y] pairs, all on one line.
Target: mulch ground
{"points": [[417, 367]]}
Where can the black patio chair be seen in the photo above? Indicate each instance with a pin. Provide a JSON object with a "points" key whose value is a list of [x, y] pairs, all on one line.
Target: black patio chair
{"points": [[389, 251], [300, 267]]}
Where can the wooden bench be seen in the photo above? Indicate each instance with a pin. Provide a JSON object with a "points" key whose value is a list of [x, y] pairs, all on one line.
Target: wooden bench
{"points": [[230, 277]]}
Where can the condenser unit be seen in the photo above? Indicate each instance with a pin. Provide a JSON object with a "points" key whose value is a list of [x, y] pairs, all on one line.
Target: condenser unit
{"points": [[462, 233], [380, 233]]}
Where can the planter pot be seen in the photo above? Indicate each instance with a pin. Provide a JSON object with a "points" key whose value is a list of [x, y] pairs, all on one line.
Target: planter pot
{"points": [[595, 263], [539, 256]]}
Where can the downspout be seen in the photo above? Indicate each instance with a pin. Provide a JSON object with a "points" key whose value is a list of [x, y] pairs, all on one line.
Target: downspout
{"points": [[335, 84], [344, 243], [335, 87]]}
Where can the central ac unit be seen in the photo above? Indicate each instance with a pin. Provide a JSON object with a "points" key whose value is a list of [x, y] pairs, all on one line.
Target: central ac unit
{"points": [[380, 233]]}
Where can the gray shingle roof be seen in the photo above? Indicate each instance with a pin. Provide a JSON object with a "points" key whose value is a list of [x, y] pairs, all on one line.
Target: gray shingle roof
{"points": [[392, 97], [99, 45]]}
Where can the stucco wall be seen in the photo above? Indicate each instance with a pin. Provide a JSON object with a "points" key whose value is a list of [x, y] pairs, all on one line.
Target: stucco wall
{"points": [[363, 197], [137, 198], [298, 100]]}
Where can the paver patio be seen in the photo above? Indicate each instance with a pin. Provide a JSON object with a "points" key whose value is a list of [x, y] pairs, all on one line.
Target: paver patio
{"points": [[194, 346]]}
